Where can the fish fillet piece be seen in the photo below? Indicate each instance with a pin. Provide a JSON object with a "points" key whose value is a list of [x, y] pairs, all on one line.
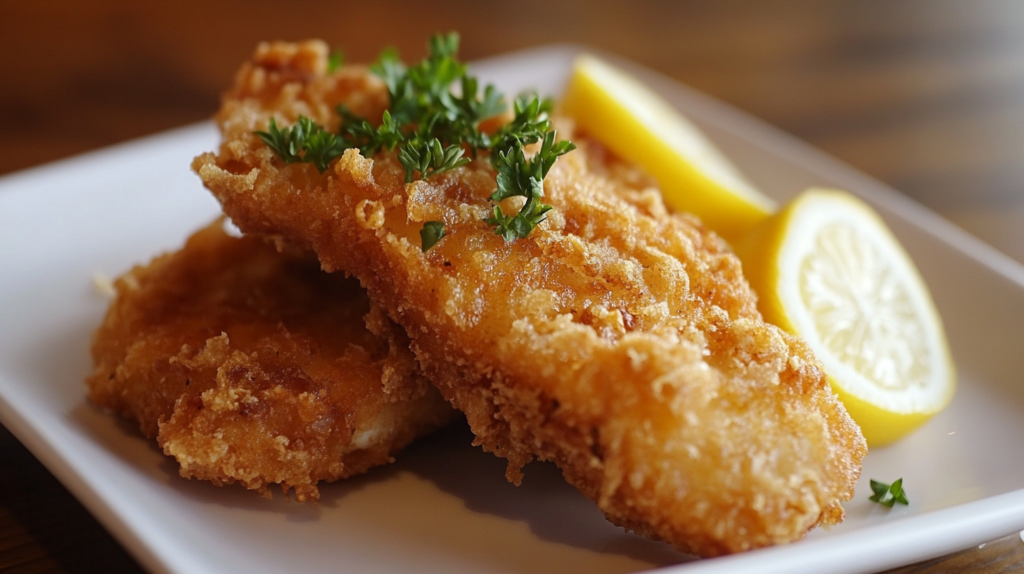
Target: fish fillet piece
{"points": [[255, 367], [618, 340]]}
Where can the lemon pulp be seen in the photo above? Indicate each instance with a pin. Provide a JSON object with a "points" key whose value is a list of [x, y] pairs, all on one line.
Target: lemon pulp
{"points": [[641, 127], [827, 269]]}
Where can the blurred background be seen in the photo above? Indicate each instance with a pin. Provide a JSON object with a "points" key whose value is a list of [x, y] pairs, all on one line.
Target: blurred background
{"points": [[924, 95]]}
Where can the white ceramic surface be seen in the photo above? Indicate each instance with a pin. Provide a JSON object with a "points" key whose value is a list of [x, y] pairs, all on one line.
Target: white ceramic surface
{"points": [[445, 506]]}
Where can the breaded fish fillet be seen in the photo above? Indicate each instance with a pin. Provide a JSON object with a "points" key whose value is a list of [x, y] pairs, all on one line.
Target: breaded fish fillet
{"points": [[255, 367], [617, 340]]}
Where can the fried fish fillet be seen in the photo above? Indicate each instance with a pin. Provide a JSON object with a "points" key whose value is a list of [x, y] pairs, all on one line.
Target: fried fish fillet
{"points": [[255, 367], [617, 340]]}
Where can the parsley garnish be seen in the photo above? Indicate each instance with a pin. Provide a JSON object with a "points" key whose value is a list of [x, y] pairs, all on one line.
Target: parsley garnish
{"points": [[518, 176], [432, 128], [431, 233], [335, 61], [433, 125], [430, 157], [304, 142], [888, 495]]}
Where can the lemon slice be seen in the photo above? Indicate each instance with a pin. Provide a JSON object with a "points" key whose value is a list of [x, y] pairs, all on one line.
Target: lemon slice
{"points": [[639, 126], [828, 270]]}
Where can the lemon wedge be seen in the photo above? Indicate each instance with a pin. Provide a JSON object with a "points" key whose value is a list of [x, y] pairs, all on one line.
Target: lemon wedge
{"points": [[826, 268], [641, 127]]}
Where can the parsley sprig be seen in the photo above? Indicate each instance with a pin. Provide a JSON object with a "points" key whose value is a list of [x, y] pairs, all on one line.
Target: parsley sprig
{"points": [[335, 61], [518, 176], [888, 495], [304, 142], [434, 128]]}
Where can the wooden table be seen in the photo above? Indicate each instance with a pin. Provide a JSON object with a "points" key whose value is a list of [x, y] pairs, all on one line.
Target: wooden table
{"points": [[925, 95]]}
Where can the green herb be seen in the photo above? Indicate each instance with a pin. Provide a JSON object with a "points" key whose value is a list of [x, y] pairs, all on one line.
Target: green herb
{"points": [[335, 61], [432, 127], [435, 125], [430, 158], [304, 142], [431, 233], [361, 134], [518, 176], [888, 495], [529, 124]]}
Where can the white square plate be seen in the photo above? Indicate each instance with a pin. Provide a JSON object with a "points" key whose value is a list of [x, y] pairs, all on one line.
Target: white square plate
{"points": [[445, 506]]}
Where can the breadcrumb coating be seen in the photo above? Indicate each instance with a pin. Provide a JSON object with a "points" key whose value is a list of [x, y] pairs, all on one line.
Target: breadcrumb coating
{"points": [[618, 340], [255, 367]]}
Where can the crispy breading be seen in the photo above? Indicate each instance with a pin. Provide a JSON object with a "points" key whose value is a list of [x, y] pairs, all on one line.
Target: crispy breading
{"points": [[617, 340], [255, 367]]}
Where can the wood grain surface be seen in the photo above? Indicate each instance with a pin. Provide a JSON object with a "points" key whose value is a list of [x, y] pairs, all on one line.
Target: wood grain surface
{"points": [[925, 95]]}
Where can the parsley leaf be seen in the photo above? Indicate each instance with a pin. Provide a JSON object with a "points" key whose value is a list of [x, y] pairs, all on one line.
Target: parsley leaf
{"points": [[429, 158], [882, 492], [303, 142], [518, 176], [361, 134], [529, 124], [430, 234], [335, 61]]}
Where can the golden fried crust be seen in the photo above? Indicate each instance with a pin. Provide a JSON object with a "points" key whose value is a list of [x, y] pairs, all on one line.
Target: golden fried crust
{"points": [[617, 340], [255, 367]]}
